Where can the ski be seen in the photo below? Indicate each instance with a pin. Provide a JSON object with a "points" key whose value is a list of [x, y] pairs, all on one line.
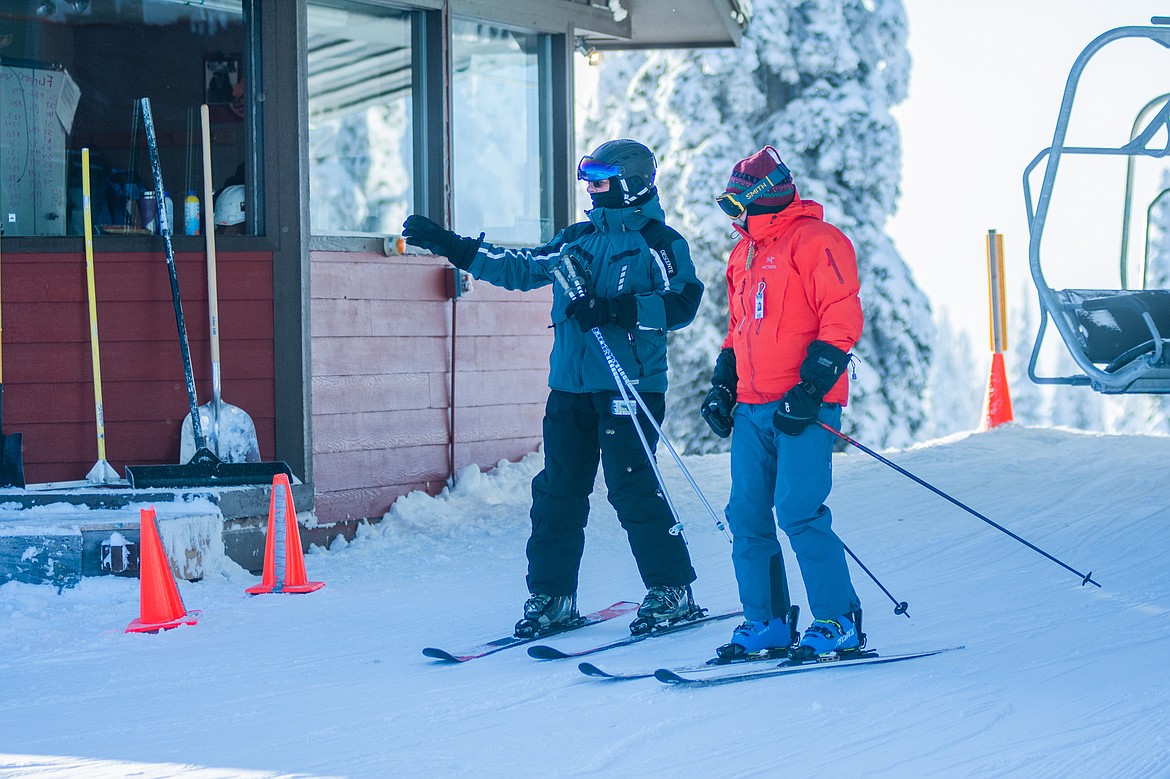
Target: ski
{"points": [[507, 642], [589, 669], [667, 676], [545, 652]]}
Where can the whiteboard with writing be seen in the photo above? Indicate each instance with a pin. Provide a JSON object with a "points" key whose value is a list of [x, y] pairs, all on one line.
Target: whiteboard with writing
{"points": [[37, 105]]}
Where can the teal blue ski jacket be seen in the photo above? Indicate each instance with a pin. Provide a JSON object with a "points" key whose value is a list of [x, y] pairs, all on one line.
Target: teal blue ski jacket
{"points": [[622, 251]]}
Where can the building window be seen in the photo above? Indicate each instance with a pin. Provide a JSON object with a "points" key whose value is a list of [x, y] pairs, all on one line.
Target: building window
{"points": [[500, 153], [360, 119], [71, 76]]}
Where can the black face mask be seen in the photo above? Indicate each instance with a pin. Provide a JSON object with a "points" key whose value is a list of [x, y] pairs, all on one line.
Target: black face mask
{"points": [[610, 198]]}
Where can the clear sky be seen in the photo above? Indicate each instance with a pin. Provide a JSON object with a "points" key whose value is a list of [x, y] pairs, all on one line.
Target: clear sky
{"points": [[986, 83]]}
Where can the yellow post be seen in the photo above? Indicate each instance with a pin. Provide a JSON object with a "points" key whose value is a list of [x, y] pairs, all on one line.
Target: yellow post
{"points": [[997, 404], [995, 291], [93, 331]]}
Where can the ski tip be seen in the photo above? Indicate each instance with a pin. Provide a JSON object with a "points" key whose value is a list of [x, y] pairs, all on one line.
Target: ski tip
{"points": [[544, 652], [589, 669], [441, 654], [667, 676]]}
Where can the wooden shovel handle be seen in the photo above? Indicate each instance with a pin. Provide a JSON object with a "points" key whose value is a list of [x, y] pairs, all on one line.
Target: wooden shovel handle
{"points": [[209, 231]]}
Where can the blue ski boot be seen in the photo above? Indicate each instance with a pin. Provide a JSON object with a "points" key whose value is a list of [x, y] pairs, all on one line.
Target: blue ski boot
{"points": [[828, 636], [547, 613], [761, 639]]}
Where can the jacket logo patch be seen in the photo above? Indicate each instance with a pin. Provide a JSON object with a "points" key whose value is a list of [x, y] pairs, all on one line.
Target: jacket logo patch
{"points": [[666, 260]]}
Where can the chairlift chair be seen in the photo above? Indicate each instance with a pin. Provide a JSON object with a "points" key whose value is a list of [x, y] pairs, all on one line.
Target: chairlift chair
{"points": [[1119, 338]]}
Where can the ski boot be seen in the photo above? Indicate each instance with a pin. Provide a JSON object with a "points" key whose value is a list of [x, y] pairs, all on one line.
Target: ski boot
{"points": [[758, 640], [830, 637], [547, 614], [664, 606]]}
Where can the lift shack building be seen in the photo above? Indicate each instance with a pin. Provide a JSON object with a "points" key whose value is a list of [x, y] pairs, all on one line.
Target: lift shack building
{"points": [[338, 119]]}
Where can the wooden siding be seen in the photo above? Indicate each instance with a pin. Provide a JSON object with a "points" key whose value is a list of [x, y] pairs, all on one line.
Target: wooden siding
{"points": [[381, 349], [47, 369]]}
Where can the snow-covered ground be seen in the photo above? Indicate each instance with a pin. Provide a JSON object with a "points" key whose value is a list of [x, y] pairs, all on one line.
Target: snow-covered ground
{"points": [[1056, 680]]}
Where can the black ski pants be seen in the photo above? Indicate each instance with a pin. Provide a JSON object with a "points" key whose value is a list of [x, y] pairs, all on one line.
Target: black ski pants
{"points": [[581, 429]]}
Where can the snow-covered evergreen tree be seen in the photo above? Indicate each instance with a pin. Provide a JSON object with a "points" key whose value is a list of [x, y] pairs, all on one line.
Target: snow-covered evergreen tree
{"points": [[1077, 407], [1151, 413], [955, 391], [1158, 271], [816, 79], [1028, 403]]}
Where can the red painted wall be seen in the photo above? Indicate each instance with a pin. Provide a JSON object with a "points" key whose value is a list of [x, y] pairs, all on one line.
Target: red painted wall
{"points": [[47, 367], [381, 378]]}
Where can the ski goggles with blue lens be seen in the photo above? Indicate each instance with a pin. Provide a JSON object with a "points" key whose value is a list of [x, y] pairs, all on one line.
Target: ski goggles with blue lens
{"points": [[735, 203], [592, 169]]}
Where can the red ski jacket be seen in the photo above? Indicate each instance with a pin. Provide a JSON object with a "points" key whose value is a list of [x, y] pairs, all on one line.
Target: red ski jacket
{"points": [[791, 279]]}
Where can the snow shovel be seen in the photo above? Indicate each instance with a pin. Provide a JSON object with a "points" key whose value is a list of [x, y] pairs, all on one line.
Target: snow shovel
{"points": [[101, 473], [228, 431], [204, 469], [11, 445]]}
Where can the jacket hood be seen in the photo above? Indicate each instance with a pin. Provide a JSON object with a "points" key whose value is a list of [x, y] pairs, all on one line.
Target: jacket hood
{"points": [[630, 218]]}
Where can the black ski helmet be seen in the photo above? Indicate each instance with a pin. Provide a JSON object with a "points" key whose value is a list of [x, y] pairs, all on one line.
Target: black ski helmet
{"points": [[632, 167]]}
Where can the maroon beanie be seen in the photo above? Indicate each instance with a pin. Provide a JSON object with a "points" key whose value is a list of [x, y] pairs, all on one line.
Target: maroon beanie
{"points": [[749, 171]]}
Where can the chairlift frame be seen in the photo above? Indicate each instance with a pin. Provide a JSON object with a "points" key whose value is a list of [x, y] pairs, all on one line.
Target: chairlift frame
{"points": [[1127, 331]]}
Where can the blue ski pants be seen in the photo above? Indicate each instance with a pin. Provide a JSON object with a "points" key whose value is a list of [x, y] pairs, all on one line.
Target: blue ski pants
{"points": [[792, 474]]}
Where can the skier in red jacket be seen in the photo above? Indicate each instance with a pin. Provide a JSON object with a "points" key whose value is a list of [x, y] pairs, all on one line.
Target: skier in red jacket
{"points": [[792, 290]]}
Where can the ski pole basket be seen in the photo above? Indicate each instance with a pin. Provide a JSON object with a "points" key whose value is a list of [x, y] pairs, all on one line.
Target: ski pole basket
{"points": [[1118, 338]]}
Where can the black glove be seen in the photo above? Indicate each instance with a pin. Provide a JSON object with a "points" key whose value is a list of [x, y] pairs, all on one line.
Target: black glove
{"points": [[591, 311], [425, 234], [720, 400], [823, 366], [798, 409]]}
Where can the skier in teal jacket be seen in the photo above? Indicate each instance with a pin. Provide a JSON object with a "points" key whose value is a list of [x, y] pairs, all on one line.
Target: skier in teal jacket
{"points": [[639, 283]]}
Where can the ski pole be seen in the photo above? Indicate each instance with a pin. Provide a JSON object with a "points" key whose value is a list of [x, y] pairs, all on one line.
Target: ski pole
{"points": [[1086, 578], [574, 291], [900, 607], [622, 379]]}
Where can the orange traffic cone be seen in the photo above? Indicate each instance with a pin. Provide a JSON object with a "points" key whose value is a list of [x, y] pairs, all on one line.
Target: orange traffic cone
{"points": [[161, 607], [284, 562], [997, 405]]}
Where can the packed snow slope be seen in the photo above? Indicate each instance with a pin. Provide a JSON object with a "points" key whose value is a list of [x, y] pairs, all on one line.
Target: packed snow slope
{"points": [[1056, 680]]}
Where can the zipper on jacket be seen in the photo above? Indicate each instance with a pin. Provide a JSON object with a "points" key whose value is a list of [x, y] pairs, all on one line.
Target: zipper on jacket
{"points": [[634, 349], [833, 263], [748, 343], [742, 307]]}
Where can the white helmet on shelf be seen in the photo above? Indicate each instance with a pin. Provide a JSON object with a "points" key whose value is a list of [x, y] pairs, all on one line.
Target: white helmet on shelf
{"points": [[230, 205]]}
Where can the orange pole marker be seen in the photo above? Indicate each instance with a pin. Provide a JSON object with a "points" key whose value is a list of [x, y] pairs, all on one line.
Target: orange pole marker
{"points": [[997, 403], [284, 561], [161, 607]]}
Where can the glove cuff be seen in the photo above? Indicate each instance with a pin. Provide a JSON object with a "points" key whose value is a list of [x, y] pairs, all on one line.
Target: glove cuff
{"points": [[822, 368], [724, 375], [623, 311], [465, 251]]}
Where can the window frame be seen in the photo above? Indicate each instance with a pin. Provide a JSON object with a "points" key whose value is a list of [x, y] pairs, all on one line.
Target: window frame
{"points": [[254, 164], [430, 92]]}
